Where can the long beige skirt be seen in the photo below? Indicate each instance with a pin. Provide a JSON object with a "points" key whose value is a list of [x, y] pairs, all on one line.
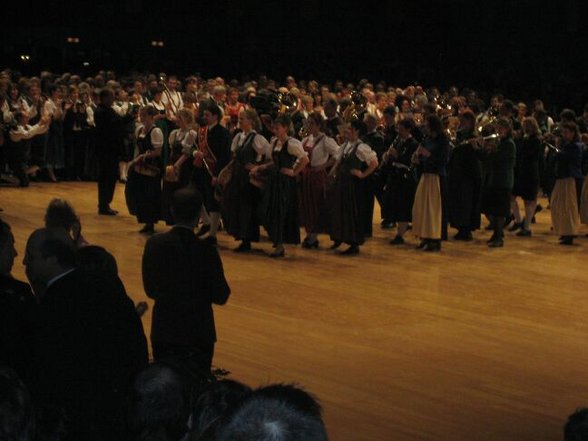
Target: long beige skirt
{"points": [[426, 210], [584, 202], [564, 208]]}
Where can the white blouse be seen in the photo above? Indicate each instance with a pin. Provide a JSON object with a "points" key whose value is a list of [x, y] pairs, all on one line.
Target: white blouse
{"points": [[185, 137], [174, 99], [27, 132], [364, 153], [294, 148], [259, 144], [156, 136], [326, 147]]}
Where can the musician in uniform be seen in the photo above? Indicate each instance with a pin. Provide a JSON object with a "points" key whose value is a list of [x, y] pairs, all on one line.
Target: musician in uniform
{"points": [[279, 207], [568, 178], [241, 195], [143, 189], [464, 180], [211, 156], [375, 184], [526, 186], [401, 180], [356, 162], [322, 151], [500, 161], [333, 121], [178, 172], [427, 213]]}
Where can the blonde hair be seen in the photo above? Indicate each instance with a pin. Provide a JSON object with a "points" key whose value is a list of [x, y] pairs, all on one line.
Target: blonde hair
{"points": [[187, 115], [252, 116]]}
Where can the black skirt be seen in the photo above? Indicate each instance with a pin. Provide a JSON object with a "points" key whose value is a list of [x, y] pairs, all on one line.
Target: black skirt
{"points": [[279, 209], [526, 184], [239, 206], [496, 201], [399, 196], [347, 210], [143, 197]]}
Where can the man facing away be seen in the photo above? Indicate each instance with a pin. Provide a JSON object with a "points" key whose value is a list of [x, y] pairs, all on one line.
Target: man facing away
{"points": [[89, 341], [184, 275]]}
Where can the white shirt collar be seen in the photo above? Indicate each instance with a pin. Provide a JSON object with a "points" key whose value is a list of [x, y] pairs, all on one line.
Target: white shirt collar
{"points": [[56, 278]]}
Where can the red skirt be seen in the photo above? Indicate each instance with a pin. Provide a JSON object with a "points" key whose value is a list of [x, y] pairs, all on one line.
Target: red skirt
{"points": [[313, 200]]}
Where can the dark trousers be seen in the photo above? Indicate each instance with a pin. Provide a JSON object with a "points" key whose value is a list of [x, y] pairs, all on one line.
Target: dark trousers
{"points": [[197, 360], [107, 176]]}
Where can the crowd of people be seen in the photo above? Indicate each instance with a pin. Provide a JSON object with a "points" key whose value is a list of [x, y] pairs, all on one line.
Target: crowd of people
{"points": [[302, 155], [198, 154], [73, 353]]}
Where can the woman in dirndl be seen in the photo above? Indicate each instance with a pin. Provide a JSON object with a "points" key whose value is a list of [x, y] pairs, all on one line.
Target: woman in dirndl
{"points": [[143, 189], [500, 160], [427, 211], [322, 151], [242, 194], [568, 179], [356, 162], [179, 170], [279, 207]]}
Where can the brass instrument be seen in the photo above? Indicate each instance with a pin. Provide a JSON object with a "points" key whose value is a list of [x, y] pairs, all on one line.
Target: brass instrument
{"points": [[172, 105]]}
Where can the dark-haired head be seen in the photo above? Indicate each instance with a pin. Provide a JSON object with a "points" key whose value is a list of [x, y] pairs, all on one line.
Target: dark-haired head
{"points": [[60, 213], [434, 126], [95, 258], [358, 125], [567, 115], [576, 428], [272, 415], [215, 404], [7, 250], [186, 206], [317, 119], [159, 404]]}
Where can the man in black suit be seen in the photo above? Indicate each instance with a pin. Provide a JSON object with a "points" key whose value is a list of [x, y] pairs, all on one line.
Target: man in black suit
{"points": [[17, 309], [110, 131], [184, 275], [89, 339], [215, 149]]}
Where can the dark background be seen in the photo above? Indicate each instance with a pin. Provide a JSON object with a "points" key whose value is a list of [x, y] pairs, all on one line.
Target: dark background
{"points": [[526, 49]]}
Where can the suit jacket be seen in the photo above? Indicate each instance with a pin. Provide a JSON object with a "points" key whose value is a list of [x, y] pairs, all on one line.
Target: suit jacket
{"points": [[17, 309], [110, 131], [219, 141], [184, 276], [375, 140], [89, 345]]}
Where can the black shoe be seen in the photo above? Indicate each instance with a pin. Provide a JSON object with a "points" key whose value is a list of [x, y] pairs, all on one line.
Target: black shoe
{"points": [[308, 245], [335, 245], [422, 245], [147, 229], [243, 247], [432, 246], [203, 230], [524, 233], [496, 243], [566, 240], [277, 253], [465, 236], [398, 240], [107, 212], [516, 226], [141, 308], [386, 224], [352, 250], [538, 208], [492, 238], [211, 240]]}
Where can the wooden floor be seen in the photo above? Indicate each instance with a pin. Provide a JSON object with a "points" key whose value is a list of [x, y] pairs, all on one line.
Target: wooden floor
{"points": [[468, 344]]}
